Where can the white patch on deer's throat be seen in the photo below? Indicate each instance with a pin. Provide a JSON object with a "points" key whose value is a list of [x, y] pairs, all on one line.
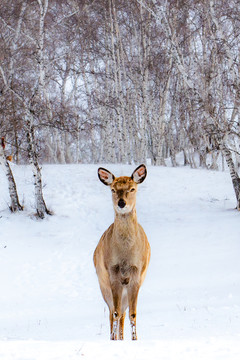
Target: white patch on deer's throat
{"points": [[124, 210]]}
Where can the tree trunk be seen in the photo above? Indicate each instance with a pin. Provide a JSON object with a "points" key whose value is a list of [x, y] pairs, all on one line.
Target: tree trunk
{"points": [[234, 175], [41, 207], [15, 205]]}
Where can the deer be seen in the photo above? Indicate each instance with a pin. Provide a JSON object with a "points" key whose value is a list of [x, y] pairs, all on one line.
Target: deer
{"points": [[122, 255]]}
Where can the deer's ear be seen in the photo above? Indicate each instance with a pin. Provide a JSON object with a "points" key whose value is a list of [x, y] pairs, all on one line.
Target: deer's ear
{"points": [[139, 174], [105, 176]]}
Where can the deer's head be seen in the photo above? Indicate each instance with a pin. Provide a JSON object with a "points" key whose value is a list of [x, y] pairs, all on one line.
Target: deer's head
{"points": [[124, 188]]}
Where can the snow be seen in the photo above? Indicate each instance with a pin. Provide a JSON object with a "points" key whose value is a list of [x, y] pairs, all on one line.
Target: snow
{"points": [[189, 305]]}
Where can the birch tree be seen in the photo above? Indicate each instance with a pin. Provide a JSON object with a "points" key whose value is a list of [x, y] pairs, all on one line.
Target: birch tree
{"points": [[15, 204], [27, 113]]}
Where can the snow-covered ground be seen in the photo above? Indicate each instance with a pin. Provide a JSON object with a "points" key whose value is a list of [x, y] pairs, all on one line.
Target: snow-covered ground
{"points": [[189, 306]]}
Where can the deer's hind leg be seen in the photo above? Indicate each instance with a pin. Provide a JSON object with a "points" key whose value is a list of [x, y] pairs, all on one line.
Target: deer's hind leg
{"points": [[107, 295], [117, 327]]}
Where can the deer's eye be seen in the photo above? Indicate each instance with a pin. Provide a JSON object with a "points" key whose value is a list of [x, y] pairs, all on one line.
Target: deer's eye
{"points": [[113, 191], [132, 190]]}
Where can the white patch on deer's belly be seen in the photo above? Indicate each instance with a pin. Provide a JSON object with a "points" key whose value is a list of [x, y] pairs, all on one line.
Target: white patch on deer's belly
{"points": [[124, 299], [124, 292]]}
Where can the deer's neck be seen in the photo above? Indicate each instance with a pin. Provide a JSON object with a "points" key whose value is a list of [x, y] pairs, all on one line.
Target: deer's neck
{"points": [[125, 227]]}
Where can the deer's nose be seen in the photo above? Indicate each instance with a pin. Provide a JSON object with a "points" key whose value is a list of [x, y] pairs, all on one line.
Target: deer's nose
{"points": [[121, 203]]}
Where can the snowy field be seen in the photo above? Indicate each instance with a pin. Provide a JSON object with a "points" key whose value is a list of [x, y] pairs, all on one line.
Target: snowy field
{"points": [[189, 305]]}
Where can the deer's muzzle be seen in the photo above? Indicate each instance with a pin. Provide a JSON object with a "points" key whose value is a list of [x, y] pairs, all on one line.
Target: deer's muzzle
{"points": [[121, 203]]}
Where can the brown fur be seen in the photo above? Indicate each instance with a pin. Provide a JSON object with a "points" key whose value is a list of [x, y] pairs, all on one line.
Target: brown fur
{"points": [[122, 254]]}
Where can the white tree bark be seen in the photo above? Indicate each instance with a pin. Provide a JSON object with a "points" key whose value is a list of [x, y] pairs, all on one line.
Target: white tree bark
{"points": [[40, 205], [234, 175], [15, 204]]}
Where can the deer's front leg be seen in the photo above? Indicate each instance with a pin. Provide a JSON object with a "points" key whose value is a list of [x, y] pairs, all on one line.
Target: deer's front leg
{"points": [[121, 327], [132, 299], [116, 313]]}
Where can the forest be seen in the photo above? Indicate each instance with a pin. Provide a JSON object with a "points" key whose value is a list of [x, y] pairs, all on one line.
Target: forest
{"points": [[118, 83], [114, 81]]}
